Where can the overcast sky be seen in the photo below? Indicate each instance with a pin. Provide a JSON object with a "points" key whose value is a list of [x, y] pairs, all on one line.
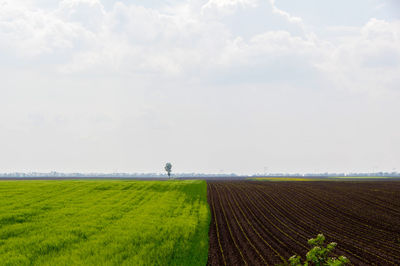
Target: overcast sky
{"points": [[243, 86]]}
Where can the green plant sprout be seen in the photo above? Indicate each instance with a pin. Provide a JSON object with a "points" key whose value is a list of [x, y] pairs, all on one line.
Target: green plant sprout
{"points": [[319, 255]]}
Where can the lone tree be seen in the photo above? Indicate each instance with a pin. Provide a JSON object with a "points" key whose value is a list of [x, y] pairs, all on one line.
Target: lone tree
{"points": [[168, 168]]}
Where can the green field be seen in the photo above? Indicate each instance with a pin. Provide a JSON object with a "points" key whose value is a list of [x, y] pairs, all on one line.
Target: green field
{"points": [[330, 178], [103, 223], [281, 179], [365, 177]]}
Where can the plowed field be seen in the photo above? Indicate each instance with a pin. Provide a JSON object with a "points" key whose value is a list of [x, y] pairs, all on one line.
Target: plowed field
{"points": [[258, 223]]}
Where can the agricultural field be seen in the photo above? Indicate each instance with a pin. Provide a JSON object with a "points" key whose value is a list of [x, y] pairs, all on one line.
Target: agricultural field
{"points": [[277, 179], [103, 223], [258, 222], [327, 178]]}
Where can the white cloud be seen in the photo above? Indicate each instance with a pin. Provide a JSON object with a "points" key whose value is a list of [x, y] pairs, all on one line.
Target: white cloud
{"points": [[285, 14], [88, 13], [28, 32], [215, 8], [368, 60], [81, 36]]}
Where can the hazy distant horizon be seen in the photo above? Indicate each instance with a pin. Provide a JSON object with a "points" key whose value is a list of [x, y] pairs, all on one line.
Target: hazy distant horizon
{"points": [[188, 175], [213, 86]]}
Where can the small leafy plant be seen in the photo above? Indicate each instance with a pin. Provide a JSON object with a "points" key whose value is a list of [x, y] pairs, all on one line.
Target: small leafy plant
{"points": [[319, 255]]}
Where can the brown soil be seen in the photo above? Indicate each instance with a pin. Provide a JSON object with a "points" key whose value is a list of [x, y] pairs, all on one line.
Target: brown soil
{"points": [[264, 223]]}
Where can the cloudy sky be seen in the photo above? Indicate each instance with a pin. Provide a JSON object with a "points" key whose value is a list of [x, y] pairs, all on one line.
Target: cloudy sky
{"points": [[240, 86]]}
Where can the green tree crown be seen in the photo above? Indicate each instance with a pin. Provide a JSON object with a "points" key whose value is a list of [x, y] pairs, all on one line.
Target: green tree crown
{"points": [[168, 168]]}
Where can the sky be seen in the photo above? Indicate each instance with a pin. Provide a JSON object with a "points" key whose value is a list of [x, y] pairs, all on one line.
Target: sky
{"points": [[212, 86]]}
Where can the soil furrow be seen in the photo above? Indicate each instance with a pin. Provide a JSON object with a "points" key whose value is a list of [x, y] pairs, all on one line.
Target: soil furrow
{"points": [[266, 222]]}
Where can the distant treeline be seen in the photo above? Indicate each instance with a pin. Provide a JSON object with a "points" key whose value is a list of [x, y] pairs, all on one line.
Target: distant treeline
{"points": [[111, 175], [377, 174], [55, 174]]}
